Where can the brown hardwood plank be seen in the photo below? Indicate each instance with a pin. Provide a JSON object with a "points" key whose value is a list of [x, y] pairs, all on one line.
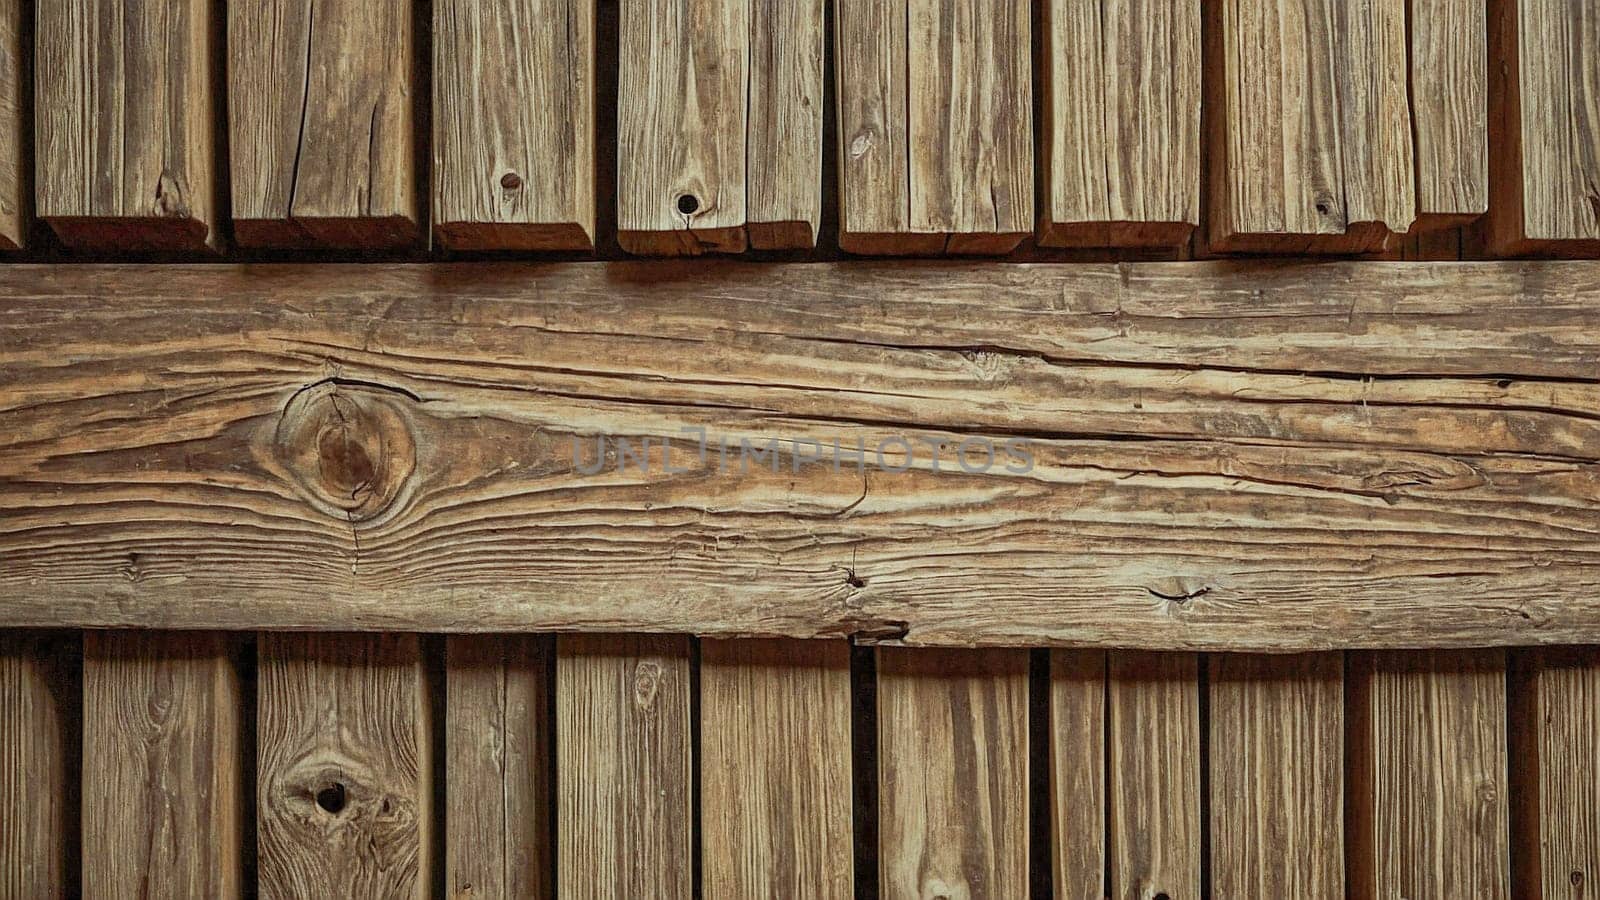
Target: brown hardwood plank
{"points": [[498, 743], [162, 780], [952, 773], [1277, 776], [1428, 780], [775, 789], [1121, 133], [513, 124], [39, 764], [320, 123], [1555, 748], [1154, 790], [623, 766], [15, 191], [1078, 773], [337, 447], [784, 141], [123, 123], [343, 800], [1449, 64]]}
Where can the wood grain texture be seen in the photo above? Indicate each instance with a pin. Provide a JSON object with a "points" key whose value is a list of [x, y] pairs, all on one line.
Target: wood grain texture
{"points": [[500, 767], [344, 796], [513, 124], [1545, 110], [1276, 799], [784, 139], [320, 123], [162, 788], [1154, 790], [1428, 785], [681, 124], [1450, 109], [417, 447], [15, 188], [1555, 748], [1078, 774], [624, 767], [39, 765], [775, 752], [123, 123], [952, 773], [1121, 129]]}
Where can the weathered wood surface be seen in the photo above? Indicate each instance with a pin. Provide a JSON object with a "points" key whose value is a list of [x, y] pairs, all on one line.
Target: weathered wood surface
{"points": [[513, 124], [1077, 738], [1450, 109], [1153, 794], [124, 123], [39, 765], [314, 447], [15, 190], [1556, 760], [784, 140], [344, 793], [320, 123]]}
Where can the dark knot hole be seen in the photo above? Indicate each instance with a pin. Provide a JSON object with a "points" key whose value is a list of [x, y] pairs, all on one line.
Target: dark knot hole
{"points": [[331, 798], [688, 204]]}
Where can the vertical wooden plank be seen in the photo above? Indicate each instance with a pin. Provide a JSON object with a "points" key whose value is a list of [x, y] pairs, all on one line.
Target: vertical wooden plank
{"points": [[681, 124], [1556, 752], [1277, 775], [784, 144], [123, 123], [1427, 743], [1450, 109], [623, 766], [497, 751], [1544, 90], [775, 807], [161, 774], [13, 177], [1078, 773], [513, 124], [1122, 123], [38, 765], [320, 123], [1154, 803], [953, 773], [344, 799]]}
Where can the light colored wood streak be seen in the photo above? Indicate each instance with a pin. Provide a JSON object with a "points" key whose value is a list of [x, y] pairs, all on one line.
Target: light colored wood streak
{"points": [[775, 789], [1428, 775], [498, 739], [1154, 791], [344, 796], [1078, 773], [314, 447], [624, 764], [1122, 123], [14, 185], [38, 765], [162, 787], [513, 124], [123, 119], [1545, 110], [1450, 109], [784, 143], [320, 133], [1277, 776], [681, 124], [952, 773], [1556, 743]]}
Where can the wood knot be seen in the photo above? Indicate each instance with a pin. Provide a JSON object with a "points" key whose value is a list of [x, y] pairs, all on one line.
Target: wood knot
{"points": [[349, 447]]}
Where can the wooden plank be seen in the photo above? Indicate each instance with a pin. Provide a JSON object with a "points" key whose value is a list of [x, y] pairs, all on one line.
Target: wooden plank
{"points": [[681, 124], [1310, 130], [1544, 89], [1555, 744], [623, 766], [15, 192], [123, 123], [339, 447], [1277, 776], [952, 773], [1154, 791], [784, 142], [513, 124], [1428, 785], [320, 123], [775, 789], [1450, 109], [162, 780], [344, 799], [39, 765], [498, 752], [1121, 133], [1078, 773]]}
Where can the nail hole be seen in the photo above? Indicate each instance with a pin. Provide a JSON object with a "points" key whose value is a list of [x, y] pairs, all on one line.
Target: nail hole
{"points": [[511, 181], [1503, 383], [1323, 208], [331, 798], [1162, 896], [688, 204], [854, 580]]}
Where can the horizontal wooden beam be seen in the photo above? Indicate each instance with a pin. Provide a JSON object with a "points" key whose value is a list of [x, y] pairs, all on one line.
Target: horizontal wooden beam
{"points": [[1217, 456]]}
